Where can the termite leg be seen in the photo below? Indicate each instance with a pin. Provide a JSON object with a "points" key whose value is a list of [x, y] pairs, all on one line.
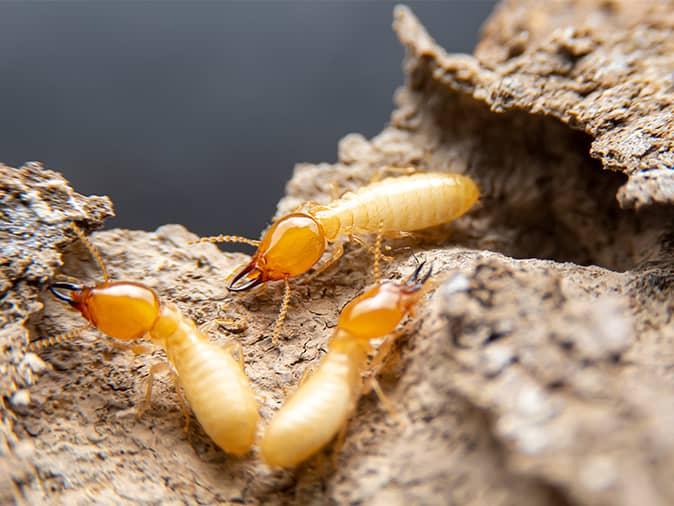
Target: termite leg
{"points": [[383, 398], [137, 349], [154, 369], [362, 242], [92, 250], [371, 249], [374, 367], [382, 172], [337, 252], [384, 350], [282, 313], [181, 400], [399, 234], [226, 238]]}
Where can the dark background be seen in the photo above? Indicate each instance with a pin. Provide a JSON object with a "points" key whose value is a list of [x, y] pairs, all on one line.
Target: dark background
{"points": [[196, 113]]}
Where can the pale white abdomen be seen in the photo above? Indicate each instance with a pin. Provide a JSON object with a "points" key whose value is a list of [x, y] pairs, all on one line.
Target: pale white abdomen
{"points": [[216, 387], [314, 413], [404, 204]]}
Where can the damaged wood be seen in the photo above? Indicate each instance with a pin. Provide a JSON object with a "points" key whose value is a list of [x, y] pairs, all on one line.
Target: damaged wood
{"points": [[539, 372], [601, 67]]}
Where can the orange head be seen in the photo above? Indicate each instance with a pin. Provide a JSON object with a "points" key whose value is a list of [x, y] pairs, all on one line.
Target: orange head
{"points": [[290, 247], [379, 310], [121, 309]]}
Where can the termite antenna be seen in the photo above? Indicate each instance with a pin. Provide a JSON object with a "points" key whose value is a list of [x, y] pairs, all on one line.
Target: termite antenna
{"points": [[92, 250], [377, 253], [225, 238], [45, 342], [55, 289]]}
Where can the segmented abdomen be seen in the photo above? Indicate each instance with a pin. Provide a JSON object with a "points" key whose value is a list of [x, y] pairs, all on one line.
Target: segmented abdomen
{"points": [[314, 413], [405, 204], [216, 387]]}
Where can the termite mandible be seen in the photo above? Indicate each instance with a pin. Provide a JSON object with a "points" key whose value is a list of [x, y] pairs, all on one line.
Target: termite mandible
{"points": [[391, 207], [213, 381]]}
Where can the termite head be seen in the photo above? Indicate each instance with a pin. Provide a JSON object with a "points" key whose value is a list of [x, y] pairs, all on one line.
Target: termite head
{"points": [[290, 247], [379, 310], [121, 309]]}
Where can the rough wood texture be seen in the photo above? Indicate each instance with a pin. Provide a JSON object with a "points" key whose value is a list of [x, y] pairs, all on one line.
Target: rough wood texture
{"points": [[539, 372], [603, 67], [36, 207]]}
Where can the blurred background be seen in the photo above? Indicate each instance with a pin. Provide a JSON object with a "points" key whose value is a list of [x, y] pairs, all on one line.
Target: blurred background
{"points": [[196, 113]]}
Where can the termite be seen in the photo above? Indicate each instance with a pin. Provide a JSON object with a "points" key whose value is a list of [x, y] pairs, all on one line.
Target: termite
{"points": [[322, 405], [212, 380], [394, 206]]}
